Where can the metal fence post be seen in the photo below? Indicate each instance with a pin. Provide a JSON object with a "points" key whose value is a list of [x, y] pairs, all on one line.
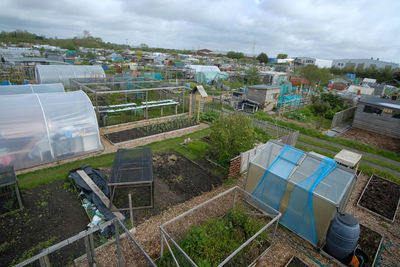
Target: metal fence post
{"points": [[118, 243]]}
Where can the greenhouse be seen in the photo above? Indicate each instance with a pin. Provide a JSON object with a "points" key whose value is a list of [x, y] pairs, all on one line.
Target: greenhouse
{"points": [[40, 128], [31, 89], [63, 74], [210, 76], [307, 188]]}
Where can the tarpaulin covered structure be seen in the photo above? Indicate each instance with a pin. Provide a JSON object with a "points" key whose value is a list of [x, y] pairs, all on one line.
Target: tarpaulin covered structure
{"points": [[307, 188], [40, 128], [63, 73], [31, 89]]}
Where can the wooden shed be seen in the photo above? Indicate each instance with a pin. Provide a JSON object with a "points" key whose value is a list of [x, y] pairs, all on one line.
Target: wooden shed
{"points": [[378, 115]]}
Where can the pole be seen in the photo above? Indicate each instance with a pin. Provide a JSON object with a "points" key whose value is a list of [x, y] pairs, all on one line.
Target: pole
{"points": [[131, 209]]}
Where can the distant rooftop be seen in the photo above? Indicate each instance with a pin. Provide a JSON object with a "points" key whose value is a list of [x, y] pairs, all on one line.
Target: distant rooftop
{"points": [[264, 87]]}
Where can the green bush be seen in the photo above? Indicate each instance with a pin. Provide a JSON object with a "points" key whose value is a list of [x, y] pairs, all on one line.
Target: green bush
{"points": [[209, 116], [231, 135]]}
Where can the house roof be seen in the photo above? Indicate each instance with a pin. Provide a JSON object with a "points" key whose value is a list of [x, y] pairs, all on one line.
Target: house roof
{"points": [[381, 102], [264, 87]]}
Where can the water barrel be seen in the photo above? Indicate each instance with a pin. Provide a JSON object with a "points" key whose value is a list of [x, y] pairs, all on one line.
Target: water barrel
{"points": [[342, 236]]}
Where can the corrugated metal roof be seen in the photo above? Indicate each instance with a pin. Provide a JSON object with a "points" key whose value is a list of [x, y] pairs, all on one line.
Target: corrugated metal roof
{"points": [[381, 102]]}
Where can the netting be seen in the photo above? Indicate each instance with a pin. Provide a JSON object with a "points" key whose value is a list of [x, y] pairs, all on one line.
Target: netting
{"points": [[272, 185], [306, 188], [132, 165], [299, 215]]}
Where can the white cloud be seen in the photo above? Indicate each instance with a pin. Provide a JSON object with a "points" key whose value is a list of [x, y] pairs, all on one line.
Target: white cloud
{"points": [[320, 28]]}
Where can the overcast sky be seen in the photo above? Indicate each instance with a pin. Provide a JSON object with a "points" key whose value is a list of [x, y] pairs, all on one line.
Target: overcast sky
{"points": [[325, 29]]}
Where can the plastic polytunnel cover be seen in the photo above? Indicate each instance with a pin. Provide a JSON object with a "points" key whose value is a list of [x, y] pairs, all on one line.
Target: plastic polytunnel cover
{"points": [[63, 73], [40, 128], [31, 89]]}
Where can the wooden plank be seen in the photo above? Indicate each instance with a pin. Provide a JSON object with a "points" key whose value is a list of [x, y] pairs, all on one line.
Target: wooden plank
{"points": [[99, 193]]}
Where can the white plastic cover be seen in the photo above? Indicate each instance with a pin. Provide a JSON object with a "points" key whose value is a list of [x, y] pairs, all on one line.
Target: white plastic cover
{"points": [[31, 89], [40, 128], [63, 73]]}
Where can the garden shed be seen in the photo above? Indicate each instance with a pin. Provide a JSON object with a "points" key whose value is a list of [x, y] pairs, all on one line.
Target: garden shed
{"points": [[31, 89], [40, 128], [132, 173], [63, 73], [307, 188]]}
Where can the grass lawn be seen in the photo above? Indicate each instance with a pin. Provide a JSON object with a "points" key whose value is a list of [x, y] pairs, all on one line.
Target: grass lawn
{"points": [[364, 168], [338, 149], [315, 133], [60, 172]]}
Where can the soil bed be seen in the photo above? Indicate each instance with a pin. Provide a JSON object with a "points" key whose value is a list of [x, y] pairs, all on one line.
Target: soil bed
{"points": [[51, 214], [369, 243], [381, 196], [176, 180], [296, 262], [373, 139], [148, 130]]}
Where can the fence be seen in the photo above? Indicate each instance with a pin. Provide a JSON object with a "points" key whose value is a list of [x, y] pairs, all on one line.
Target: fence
{"points": [[87, 237], [344, 117]]}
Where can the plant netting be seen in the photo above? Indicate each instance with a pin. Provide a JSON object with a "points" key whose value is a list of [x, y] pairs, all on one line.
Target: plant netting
{"points": [[307, 188], [8, 190]]}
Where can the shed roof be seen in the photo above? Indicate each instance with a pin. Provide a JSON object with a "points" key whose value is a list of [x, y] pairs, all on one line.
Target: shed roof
{"points": [[264, 87], [381, 102], [347, 158], [201, 90]]}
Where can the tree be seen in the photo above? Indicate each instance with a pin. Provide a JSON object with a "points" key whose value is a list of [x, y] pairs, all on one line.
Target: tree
{"points": [[262, 58], [281, 56], [315, 75], [320, 108], [252, 76], [231, 135], [235, 55]]}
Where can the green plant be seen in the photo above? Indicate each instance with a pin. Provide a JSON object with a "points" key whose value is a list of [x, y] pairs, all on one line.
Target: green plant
{"points": [[31, 252], [210, 243], [231, 135], [209, 116]]}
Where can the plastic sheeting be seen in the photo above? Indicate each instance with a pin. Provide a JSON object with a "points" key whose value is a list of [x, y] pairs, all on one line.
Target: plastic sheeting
{"points": [[31, 89], [209, 76], [40, 128], [307, 188], [273, 184], [301, 199], [63, 74], [100, 179]]}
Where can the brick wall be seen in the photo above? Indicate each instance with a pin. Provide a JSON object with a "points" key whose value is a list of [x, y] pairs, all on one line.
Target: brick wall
{"points": [[234, 168]]}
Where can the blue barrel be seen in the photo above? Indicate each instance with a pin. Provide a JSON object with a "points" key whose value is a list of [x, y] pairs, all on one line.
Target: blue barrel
{"points": [[342, 236]]}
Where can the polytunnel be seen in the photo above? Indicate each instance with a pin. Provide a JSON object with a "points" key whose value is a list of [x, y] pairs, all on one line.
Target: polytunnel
{"points": [[64, 73], [40, 128], [31, 89], [307, 188]]}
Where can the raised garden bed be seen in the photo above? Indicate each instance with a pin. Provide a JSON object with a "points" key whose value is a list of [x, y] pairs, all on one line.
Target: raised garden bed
{"points": [[231, 229], [369, 242], [381, 197], [295, 262], [149, 130]]}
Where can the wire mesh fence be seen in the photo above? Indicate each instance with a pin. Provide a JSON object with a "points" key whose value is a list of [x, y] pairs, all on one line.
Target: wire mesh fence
{"points": [[230, 212]]}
